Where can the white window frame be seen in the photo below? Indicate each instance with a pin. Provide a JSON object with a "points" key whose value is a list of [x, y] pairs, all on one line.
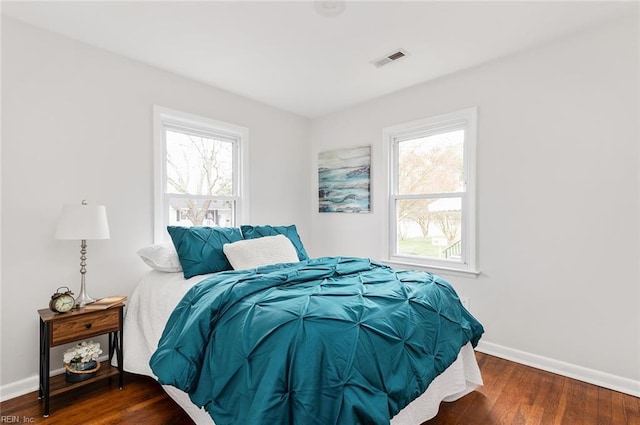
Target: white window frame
{"points": [[165, 118], [465, 119]]}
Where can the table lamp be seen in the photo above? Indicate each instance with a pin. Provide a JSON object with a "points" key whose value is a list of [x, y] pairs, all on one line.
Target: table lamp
{"points": [[82, 222]]}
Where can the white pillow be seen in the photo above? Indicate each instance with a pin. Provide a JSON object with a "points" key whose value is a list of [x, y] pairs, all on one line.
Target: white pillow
{"points": [[252, 253], [161, 257]]}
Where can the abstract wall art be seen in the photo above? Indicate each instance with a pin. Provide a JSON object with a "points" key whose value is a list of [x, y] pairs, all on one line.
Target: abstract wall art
{"points": [[344, 180]]}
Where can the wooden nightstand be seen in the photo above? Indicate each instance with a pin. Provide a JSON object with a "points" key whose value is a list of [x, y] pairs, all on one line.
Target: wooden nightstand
{"points": [[78, 324]]}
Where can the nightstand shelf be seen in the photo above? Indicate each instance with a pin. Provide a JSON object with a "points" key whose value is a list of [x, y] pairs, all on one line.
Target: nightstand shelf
{"points": [[59, 385], [75, 325]]}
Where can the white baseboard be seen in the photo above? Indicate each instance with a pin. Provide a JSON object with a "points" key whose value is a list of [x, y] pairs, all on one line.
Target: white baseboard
{"points": [[18, 388], [596, 377]]}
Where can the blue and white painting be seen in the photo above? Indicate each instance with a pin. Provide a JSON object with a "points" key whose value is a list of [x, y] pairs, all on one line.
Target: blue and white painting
{"points": [[344, 180]]}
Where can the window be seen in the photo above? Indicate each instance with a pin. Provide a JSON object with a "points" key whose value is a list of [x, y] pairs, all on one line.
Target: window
{"points": [[432, 191], [198, 171]]}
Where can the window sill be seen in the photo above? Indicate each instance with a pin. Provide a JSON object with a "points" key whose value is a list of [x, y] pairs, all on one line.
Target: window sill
{"points": [[439, 270]]}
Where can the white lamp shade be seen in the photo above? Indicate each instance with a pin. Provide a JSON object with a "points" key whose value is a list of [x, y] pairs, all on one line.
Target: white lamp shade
{"points": [[83, 222]]}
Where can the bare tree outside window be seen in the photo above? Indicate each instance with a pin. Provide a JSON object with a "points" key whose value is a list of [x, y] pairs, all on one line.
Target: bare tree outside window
{"points": [[201, 168], [429, 167]]}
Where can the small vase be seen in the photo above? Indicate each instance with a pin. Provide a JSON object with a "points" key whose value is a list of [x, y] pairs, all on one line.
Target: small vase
{"points": [[77, 372]]}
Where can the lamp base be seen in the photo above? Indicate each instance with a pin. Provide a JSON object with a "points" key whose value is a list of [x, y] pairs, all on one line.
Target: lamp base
{"points": [[83, 299]]}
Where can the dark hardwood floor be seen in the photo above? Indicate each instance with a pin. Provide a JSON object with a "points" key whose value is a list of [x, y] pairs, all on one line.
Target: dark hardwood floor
{"points": [[512, 394]]}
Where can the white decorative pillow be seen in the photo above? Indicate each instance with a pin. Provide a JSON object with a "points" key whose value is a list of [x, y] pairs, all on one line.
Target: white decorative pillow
{"points": [[161, 257], [252, 253]]}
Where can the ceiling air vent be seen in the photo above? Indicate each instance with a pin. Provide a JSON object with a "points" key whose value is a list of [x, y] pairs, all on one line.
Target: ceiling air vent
{"points": [[392, 57]]}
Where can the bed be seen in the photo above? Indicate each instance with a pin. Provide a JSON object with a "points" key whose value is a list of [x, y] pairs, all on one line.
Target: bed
{"points": [[155, 343]]}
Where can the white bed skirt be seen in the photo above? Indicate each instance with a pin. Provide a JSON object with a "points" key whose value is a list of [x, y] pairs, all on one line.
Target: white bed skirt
{"points": [[158, 293]]}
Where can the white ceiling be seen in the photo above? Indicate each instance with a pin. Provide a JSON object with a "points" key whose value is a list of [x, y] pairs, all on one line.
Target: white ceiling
{"points": [[286, 55]]}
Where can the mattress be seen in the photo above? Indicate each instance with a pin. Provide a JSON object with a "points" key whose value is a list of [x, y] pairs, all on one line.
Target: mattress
{"points": [[158, 293]]}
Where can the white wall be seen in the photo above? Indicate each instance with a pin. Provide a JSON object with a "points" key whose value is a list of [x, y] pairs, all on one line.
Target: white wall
{"points": [[558, 187], [77, 124]]}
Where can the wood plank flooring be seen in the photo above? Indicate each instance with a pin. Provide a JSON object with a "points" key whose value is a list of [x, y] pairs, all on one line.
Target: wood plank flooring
{"points": [[513, 394], [142, 401]]}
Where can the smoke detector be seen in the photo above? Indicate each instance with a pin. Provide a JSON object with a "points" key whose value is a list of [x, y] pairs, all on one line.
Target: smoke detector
{"points": [[391, 57], [329, 9]]}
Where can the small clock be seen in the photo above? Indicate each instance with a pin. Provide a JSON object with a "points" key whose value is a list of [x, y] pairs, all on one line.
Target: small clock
{"points": [[61, 302]]}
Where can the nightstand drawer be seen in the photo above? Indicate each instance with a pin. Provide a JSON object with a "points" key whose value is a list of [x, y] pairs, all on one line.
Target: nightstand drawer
{"points": [[85, 326]]}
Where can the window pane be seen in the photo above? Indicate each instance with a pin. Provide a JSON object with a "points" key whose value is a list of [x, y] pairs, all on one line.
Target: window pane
{"points": [[201, 212], [430, 228], [198, 165], [432, 164]]}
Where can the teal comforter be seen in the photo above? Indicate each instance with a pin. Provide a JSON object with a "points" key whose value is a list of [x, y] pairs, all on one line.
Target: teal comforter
{"points": [[324, 341]]}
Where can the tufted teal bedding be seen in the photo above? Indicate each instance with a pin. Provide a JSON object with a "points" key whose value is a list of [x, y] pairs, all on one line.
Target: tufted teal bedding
{"points": [[323, 341]]}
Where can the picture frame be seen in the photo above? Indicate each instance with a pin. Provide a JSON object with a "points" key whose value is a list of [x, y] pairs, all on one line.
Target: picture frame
{"points": [[344, 180]]}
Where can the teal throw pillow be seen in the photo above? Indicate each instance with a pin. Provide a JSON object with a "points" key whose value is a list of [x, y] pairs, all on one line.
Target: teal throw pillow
{"points": [[255, 232], [200, 248]]}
